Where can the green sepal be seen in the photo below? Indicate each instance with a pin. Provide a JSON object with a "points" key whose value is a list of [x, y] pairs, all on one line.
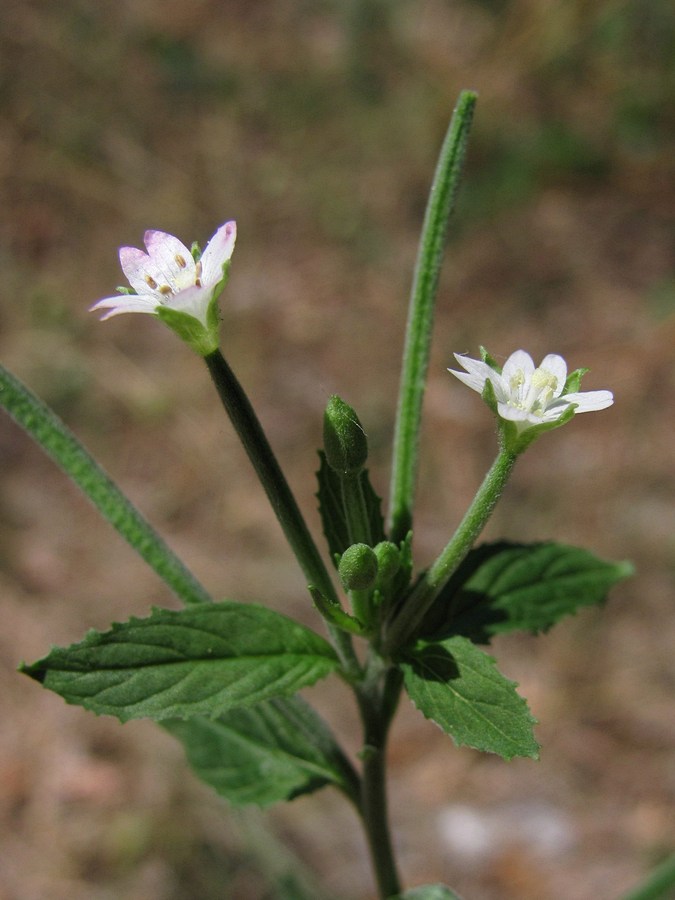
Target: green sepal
{"points": [[488, 358], [332, 513], [516, 441], [203, 340], [490, 397], [203, 660], [458, 686], [334, 614], [573, 381], [276, 750], [504, 587]]}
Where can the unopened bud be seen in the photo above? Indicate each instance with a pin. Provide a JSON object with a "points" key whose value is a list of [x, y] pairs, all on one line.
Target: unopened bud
{"points": [[344, 439], [358, 568], [388, 563]]}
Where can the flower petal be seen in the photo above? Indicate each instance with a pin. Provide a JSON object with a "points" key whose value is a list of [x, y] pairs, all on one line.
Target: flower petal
{"points": [[193, 301], [217, 252], [519, 362], [555, 365], [125, 303], [589, 401], [171, 258], [514, 413], [135, 265]]}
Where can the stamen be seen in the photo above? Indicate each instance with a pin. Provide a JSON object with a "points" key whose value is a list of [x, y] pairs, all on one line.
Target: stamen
{"points": [[165, 289], [150, 281], [198, 273], [180, 261]]}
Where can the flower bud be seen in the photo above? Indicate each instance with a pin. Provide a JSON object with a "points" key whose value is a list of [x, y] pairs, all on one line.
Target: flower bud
{"points": [[344, 439], [358, 568], [388, 563]]}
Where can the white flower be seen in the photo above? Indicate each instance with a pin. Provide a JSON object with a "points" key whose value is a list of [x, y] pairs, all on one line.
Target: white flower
{"points": [[529, 396], [169, 283]]}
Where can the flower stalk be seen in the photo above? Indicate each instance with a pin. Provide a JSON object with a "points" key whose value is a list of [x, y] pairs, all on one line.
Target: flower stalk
{"points": [[250, 432], [410, 615]]}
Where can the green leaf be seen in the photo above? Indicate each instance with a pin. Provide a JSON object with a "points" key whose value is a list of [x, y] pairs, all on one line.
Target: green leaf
{"points": [[65, 449], [273, 751], [204, 660], [428, 892], [507, 587], [332, 512], [431, 250], [459, 687]]}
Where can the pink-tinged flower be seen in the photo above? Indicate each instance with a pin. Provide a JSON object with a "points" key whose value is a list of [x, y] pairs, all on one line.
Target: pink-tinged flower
{"points": [[168, 282], [530, 396]]}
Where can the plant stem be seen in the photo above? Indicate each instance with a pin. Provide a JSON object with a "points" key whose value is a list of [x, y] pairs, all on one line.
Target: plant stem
{"points": [[354, 505], [252, 436], [416, 605], [421, 315], [377, 706]]}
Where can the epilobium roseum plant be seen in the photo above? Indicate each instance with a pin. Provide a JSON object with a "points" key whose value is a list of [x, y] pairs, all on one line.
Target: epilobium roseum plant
{"points": [[223, 676]]}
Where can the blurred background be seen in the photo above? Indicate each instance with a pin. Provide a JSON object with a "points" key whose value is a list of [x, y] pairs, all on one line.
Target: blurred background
{"points": [[316, 125]]}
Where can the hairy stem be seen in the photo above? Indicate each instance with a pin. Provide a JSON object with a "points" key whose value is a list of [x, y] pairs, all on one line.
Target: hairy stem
{"points": [[377, 706]]}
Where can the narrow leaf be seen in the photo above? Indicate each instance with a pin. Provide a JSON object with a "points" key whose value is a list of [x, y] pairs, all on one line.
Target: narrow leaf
{"points": [[65, 449], [332, 512], [273, 751], [459, 687], [428, 892], [421, 314], [204, 660], [507, 587]]}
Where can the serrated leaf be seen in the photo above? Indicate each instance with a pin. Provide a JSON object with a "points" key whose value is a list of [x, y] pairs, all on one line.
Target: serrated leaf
{"points": [[332, 512], [203, 660], [507, 587], [428, 892], [459, 687], [273, 751]]}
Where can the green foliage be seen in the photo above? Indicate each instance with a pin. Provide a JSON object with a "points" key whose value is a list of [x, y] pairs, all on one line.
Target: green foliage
{"points": [[205, 660], [458, 686], [505, 587], [273, 751], [332, 513]]}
